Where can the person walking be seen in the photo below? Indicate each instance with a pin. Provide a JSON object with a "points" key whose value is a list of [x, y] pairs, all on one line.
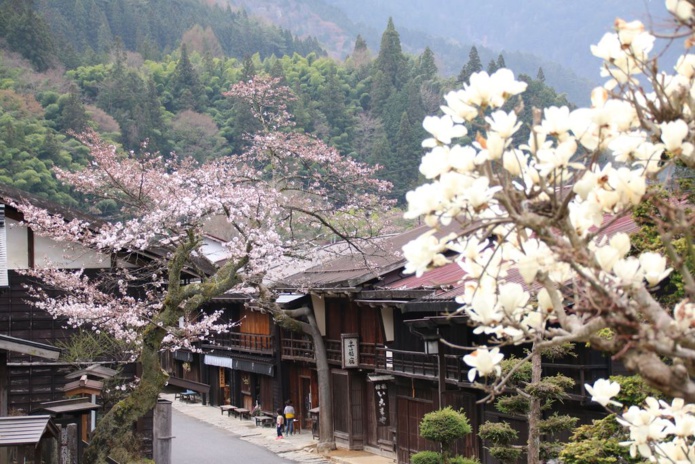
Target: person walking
{"points": [[280, 423], [289, 417]]}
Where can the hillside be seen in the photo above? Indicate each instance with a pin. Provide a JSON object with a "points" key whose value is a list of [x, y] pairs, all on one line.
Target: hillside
{"points": [[554, 34]]}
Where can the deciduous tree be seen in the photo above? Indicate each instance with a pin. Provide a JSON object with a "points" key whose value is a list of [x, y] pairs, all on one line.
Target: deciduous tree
{"points": [[285, 191], [538, 212]]}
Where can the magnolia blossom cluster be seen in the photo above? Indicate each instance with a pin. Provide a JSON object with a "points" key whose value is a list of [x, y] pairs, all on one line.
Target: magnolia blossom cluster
{"points": [[659, 431], [526, 220]]}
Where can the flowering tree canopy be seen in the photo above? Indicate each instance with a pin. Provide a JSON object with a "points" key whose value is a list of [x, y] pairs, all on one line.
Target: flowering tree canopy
{"points": [[287, 191], [540, 268]]}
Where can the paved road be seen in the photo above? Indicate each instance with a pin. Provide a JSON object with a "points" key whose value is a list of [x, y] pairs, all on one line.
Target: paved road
{"points": [[199, 442]]}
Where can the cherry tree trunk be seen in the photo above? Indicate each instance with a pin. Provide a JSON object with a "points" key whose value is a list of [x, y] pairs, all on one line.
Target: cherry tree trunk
{"points": [[119, 421], [326, 435]]}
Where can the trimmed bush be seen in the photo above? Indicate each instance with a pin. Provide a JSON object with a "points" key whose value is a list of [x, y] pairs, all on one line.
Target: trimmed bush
{"points": [[426, 457]]}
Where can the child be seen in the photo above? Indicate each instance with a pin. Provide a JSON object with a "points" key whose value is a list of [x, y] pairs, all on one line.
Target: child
{"points": [[279, 423]]}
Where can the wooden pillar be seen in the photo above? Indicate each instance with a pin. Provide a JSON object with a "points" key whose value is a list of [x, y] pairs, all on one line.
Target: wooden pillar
{"points": [[161, 443], [441, 367], [4, 397]]}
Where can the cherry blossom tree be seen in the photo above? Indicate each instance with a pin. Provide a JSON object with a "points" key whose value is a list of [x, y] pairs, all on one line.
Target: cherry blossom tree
{"points": [[286, 192], [537, 212]]}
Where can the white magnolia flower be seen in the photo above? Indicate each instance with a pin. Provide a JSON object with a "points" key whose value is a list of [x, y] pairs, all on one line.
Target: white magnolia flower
{"points": [[484, 362], [512, 298], [505, 124], [685, 66], [423, 252], [514, 162], [681, 9], [603, 391], [629, 272], [654, 266], [457, 108], [673, 133], [442, 129], [556, 122], [436, 162]]}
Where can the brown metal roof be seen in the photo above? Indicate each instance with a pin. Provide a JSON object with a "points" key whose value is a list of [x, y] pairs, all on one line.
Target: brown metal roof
{"points": [[25, 430], [448, 277], [357, 268]]}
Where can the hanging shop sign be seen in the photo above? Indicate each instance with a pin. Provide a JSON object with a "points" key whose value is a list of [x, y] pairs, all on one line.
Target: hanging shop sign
{"points": [[382, 402], [351, 350]]}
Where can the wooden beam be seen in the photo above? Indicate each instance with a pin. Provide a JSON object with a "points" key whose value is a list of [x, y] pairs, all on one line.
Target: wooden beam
{"points": [[30, 349]]}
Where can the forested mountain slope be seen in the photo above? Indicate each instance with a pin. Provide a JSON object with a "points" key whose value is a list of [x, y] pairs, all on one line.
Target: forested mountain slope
{"points": [[369, 106]]}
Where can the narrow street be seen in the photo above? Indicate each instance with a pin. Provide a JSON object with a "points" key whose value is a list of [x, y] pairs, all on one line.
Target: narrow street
{"points": [[197, 441]]}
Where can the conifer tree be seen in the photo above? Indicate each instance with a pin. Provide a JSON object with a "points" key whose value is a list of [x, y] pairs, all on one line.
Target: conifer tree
{"points": [[541, 75], [472, 66], [491, 67], [426, 67], [184, 80], [391, 60], [500, 62]]}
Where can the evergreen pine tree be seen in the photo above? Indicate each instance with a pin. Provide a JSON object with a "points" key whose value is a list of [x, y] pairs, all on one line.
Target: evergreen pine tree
{"points": [[391, 60], [72, 112], [491, 67], [540, 76], [184, 80], [248, 70], [500, 62], [28, 34], [426, 67], [472, 66]]}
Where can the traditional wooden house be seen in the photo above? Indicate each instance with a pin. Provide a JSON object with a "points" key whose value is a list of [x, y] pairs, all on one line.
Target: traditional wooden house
{"points": [[401, 369]]}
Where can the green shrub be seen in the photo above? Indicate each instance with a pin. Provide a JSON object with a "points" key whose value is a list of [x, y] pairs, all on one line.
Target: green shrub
{"points": [[444, 426], [426, 457], [499, 433], [463, 460]]}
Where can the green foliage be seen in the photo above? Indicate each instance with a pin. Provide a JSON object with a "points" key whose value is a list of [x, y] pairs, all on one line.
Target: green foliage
{"points": [[88, 346], [426, 457], [597, 443], [444, 426], [512, 404], [633, 390], [557, 423], [506, 455], [550, 388], [463, 460], [498, 433]]}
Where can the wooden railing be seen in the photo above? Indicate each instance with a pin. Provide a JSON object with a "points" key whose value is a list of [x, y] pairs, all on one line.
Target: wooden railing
{"points": [[413, 363], [247, 342], [300, 349], [421, 365], [367, 353]]}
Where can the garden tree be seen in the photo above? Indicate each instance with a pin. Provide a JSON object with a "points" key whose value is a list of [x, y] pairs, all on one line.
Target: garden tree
{"points": [[532, 395], [599, 442], [472, 66], [443, 427], [537, 212], [287, 189]]}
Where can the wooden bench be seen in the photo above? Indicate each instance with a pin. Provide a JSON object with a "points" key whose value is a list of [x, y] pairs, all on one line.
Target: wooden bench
{"points": [[266, 421], [227, 408], [242, 413]]}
